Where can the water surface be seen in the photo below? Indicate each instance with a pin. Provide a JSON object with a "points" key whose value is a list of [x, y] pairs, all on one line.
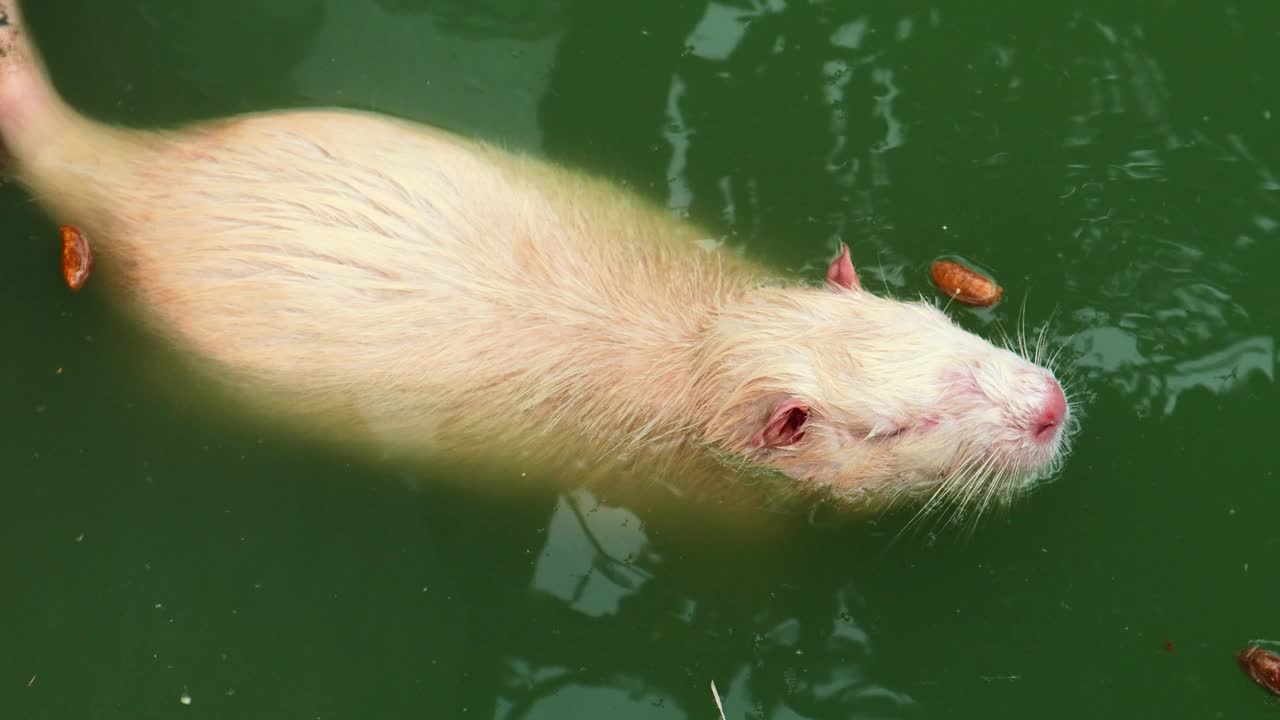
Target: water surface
{"points": [[1113, 164]]}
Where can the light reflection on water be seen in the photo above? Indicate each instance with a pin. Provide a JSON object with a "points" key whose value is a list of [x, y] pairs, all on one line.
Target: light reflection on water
{"points": [[1069, 150], [598, 561]]}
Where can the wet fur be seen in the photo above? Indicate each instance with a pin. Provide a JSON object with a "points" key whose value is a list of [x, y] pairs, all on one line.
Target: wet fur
{"points": [[404, 290]]}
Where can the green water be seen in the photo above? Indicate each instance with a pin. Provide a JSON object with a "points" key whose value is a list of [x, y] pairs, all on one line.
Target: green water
{"points": [[1112, 163]]}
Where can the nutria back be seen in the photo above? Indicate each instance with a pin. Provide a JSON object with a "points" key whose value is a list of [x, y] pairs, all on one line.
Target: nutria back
{"points": [[410, 291]]}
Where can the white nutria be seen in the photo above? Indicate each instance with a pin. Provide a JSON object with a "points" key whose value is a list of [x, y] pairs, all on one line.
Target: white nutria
{"points": [[413, 292]]}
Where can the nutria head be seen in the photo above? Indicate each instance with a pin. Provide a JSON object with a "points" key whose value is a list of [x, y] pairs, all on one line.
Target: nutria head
{"points": [[874, 399]]}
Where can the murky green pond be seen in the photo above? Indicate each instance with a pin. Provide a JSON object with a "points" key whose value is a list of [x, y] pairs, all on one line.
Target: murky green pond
{"points": [[1112, 162]]}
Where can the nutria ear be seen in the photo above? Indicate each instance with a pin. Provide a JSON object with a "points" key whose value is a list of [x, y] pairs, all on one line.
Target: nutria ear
{"points": [[840, 271], [785, 426]]}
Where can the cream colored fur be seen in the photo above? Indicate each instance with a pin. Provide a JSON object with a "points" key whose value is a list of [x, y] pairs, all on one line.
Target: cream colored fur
{"points": [[409, 291]]}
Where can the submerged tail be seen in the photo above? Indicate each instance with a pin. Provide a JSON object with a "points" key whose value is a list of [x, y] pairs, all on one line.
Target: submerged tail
{"points": [[32, 115], [66, 160]]}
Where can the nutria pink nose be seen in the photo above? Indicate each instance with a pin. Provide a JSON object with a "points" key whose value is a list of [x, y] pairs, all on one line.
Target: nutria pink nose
{"points": [[1052, 414]]}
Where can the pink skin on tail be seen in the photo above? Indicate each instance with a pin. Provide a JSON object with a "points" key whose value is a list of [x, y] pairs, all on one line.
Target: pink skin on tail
{"points": [[31, 112], [21, 87]]}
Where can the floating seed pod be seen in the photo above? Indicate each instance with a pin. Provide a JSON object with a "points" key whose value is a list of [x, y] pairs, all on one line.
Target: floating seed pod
{"points": [[964, 284], [1262, 666], [77, 258]]}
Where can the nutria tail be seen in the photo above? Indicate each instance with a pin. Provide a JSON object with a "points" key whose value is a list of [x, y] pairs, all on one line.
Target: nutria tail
{"points": [[31, 113], [67, 161]]}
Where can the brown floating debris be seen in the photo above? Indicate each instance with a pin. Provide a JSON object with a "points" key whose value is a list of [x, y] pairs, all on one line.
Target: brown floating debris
{"points": [[1262, 666], [77, 258], [964, 284]]}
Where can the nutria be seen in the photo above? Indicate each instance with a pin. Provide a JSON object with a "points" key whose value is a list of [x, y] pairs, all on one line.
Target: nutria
{"points": [[407, 290]]}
